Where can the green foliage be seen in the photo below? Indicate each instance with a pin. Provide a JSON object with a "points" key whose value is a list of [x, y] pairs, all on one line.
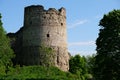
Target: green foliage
{"points": [[78, 66], [107, 60], [78, 69], [37, 72], [6, 53], [47, 56], [90, 63]]}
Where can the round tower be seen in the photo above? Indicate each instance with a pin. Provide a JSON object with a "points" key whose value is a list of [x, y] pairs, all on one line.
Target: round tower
{"points": [[45, 28]]}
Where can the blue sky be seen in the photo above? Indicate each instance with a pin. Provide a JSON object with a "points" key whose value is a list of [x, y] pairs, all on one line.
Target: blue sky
{"points": [[83, 17]]}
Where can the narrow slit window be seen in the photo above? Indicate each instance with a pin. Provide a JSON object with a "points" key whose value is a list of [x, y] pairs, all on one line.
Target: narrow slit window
{"points": [[48, 35]]}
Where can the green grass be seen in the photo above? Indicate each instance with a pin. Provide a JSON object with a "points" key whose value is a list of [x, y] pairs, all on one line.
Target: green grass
{"points": [[37, 73]]}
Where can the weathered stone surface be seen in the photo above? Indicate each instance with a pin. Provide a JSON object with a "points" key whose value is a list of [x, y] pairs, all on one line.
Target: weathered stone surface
{"points": [[42, 27]]}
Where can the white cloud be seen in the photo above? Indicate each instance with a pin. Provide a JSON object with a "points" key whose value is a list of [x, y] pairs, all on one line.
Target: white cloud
{"points": [[98, 17], [77, 23], [83, 48], [82, 53], [87, 43]]}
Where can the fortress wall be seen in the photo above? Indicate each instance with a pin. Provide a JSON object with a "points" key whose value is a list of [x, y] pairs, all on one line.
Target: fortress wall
{"points": [[44, 28]]}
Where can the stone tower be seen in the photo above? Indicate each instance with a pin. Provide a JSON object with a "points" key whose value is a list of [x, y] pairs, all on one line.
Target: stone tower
{"points": [[42, 27]]}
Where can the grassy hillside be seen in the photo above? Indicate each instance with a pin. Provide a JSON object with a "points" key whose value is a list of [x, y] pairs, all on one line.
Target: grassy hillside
{"points": [[37, 72]]}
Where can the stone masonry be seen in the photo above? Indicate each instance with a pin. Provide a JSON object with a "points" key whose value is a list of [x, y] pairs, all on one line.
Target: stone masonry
{"points": [[41, 27]]}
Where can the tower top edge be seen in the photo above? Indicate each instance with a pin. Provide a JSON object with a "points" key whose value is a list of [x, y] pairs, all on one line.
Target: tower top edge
{"points": [[34, 6], [42, 8]]}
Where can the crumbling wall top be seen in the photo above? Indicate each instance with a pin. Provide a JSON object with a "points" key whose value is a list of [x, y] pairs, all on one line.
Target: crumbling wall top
{"points": [[41, 8]]}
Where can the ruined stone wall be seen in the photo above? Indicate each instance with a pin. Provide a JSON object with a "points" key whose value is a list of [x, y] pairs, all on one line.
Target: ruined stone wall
{"points": [[44, 28]]}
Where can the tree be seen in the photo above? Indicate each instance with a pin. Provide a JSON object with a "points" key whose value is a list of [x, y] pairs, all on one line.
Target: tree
{"points": [[107, 60], [6, 53], [78, 66], [90, 63]]}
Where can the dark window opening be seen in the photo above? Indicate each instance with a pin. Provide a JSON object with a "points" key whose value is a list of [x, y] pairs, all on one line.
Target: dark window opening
{"points": [[61, 24], [48, 35], [44, 17]]}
